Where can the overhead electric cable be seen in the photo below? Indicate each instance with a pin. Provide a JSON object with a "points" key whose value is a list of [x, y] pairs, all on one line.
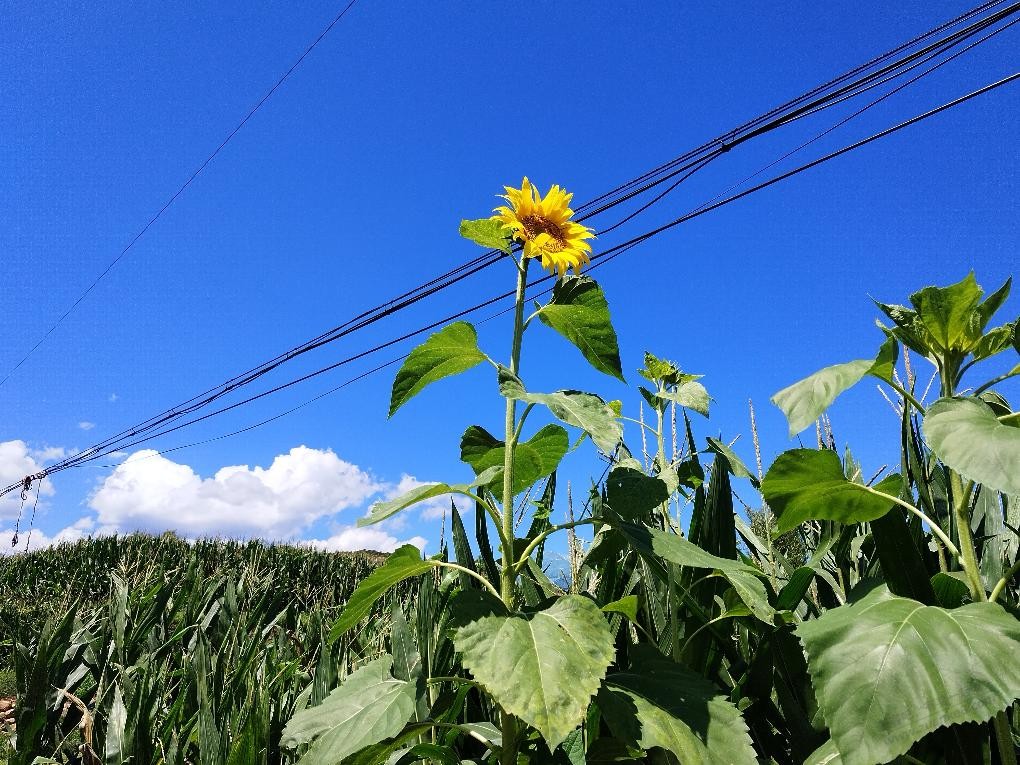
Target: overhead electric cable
{"points": [[452, 277], [181, 189], [435, 285], [790, 105], [598, 259]]}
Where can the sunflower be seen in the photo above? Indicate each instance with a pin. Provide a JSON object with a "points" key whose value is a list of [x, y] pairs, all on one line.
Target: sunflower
{"points": [[543, 225]]}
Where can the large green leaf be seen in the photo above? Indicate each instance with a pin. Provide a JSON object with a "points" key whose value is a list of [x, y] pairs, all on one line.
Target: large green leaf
{"points": [[659, 703], [380, 511], [368, 707], [579, 311], [633, 495], [808, 484], [965, 434], [888, 670], [402, 564], [580, 410], [692, 395], [949, 313], [488, 232], [450, 351], [543, 667], [746, 580], [533, 459], [804, 401]]}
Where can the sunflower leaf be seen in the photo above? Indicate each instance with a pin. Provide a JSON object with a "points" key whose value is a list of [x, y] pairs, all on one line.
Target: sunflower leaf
{"points": [[809, 484], [404, 563], [559, 655], [450, 351], [805, 400], [533, 459], [579, 311], [659, 703], [487, 232], [967, 436], [889, 670], [368, 707], [580, 410]]}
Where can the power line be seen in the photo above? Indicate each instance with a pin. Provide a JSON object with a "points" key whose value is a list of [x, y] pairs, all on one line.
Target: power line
{"points": [[597, 260], [722, 144], [183, 187], [145, 430]]}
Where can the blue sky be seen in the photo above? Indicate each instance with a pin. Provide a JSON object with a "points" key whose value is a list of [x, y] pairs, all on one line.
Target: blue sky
{"points": [[346, 189]]}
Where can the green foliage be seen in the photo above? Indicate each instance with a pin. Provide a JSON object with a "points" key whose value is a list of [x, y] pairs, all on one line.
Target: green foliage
{"points": [[487, 232], [534, 459], [404, 563], [889, 670], [202, 658], [837, 622], [581, 410], [450, 351], [805, 401], [805, 484], [558, 657], [380, 511], [659, 703], [368, 707], [579, 311], [967, 436]]}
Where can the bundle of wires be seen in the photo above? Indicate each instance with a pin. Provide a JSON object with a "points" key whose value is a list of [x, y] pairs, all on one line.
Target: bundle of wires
{"points": [[925, 53]]}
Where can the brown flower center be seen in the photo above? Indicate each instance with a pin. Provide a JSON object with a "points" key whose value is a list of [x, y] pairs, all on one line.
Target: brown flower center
{"points": [[538, 224]]}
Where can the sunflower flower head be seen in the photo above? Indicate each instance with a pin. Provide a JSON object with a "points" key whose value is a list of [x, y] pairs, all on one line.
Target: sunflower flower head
{"points": [[544, 227]]}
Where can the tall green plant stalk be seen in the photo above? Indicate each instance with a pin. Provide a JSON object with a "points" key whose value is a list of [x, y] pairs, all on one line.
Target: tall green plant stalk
{"points": [[961, 500], [961, 494], [508, 723]]}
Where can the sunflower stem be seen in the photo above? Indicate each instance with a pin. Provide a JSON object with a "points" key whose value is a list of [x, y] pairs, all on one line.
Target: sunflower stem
{"points": [[508, 570]]}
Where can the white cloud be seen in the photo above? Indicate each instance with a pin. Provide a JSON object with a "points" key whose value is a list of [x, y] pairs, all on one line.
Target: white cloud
{"points": [[86, 425], [17, 460], [35, 539], [152, 493], [352, 538], [113, 398]]}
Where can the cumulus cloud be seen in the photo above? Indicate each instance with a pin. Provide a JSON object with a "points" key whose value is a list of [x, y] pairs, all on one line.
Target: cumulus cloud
{"points": [[152, 493], [86, 425], [17, 460], [352, 538], [35, 539]]}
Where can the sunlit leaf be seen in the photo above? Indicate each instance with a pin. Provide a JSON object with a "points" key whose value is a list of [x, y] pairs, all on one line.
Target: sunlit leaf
{"points": [[691, 395], [404, 563], [579, 311], [805, 401], [543, 667], [808, 484], [487, 232], [370, 705], [450, 351], [380, 511], [533, 459], [889, 670], [581, 410], [965, 434]]}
